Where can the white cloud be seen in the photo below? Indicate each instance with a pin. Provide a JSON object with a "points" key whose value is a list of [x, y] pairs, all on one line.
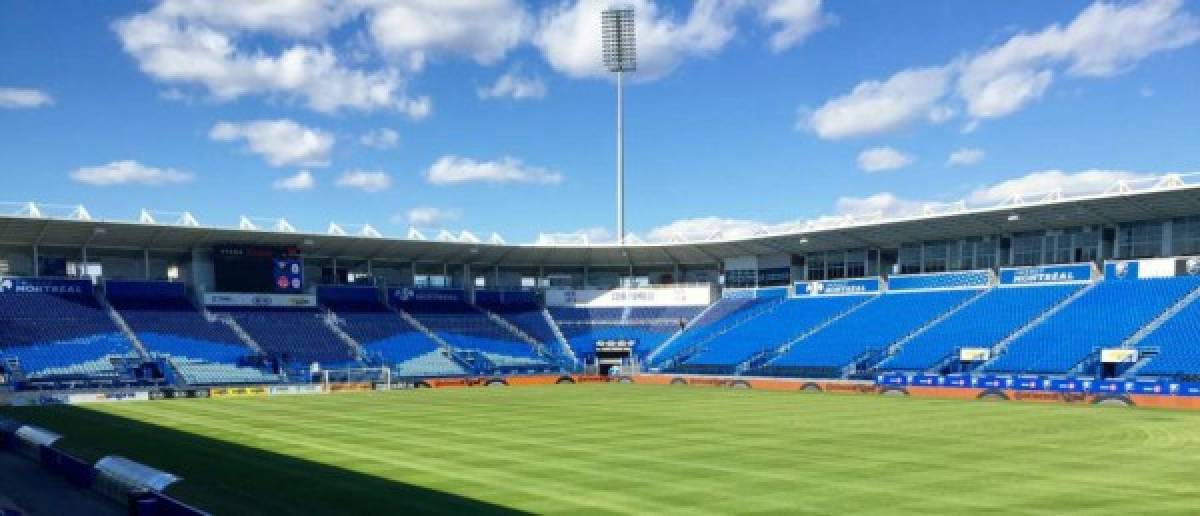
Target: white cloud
{"points": [[704, 228], [884, 203], [965, 156], [569, 35], [876, 107], [880, 159], [303, 180], [365, 180], [129, 172], [191, 42], [513, 86], [941, 114], [1032, 186], [455, 169], [1103, 40], [792, 21], [427, 216], [485, 30], [592, 235], [299, 18], [1083, 182], [280, 142], [888, 205], [382, 138], [22, 98]]}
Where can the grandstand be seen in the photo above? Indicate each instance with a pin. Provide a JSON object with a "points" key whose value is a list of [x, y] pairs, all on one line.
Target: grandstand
{"points": [[846, 300], [386, 338], [483, 342], [59, 332]]}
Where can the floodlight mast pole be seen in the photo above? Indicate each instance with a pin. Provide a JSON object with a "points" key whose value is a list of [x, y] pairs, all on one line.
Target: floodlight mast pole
{"points": [[620, 158], [620, 56]]}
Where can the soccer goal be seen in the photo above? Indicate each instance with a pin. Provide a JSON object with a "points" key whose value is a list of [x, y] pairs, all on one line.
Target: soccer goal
{"points": [[361, 378]]}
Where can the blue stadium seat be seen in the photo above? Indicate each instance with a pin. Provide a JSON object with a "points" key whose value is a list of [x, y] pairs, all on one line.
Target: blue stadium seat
{"points": [[464, 327], [300, 334], [200, 372], [982, 324], [1176, 345], [868, 330], [386, 338], [1102, 317], [724, 313], [647, 327], [167, 322], [768, 332], [59, 334]]}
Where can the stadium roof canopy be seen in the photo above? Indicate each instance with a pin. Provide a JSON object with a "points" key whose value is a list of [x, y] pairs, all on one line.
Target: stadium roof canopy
{"points": [[1169, 196]]}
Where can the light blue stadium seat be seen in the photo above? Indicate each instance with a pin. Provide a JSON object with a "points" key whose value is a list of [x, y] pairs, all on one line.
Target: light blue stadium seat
{"points": [[724, 313], [1103, 317], [769, 331], [647, 327], [464, 327], [59, 334], [1177, 345], [870, 329], [982, 324], [167, 322]]}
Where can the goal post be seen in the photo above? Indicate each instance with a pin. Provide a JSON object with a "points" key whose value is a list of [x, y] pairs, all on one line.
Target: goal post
{"points": [[378, 377]]}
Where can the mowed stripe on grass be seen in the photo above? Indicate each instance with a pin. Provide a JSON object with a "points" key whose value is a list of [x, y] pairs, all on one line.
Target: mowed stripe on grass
{"points": [[647, 449]]}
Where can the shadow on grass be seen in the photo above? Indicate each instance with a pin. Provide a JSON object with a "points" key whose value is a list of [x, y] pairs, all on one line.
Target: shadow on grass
{"points": [[227, 478]]}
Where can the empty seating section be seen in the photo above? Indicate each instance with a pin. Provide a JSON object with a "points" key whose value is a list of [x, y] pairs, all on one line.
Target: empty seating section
{"points": [[647, 327], [1102, 317], [166, 322], [386, 338], [723, 313], [534, 324], [433, 363], [199, 372], [466, 328], [297, 334], [981, 324], [870, 329], [1177, 345], [769, 331], [56, 332]]}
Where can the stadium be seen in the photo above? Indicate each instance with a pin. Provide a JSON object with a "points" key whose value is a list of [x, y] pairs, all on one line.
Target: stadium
{"points": [[1033, 354]]}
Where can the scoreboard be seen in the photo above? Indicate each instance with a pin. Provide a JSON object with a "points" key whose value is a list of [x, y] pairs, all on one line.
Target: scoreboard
{"points": [[259, 269]]}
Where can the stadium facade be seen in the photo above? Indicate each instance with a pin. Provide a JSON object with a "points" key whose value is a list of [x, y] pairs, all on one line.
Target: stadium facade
{"points": [[1096, 285]]}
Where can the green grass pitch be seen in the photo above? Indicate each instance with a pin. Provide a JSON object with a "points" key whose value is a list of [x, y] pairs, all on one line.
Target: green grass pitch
{"points": [[648, 450]]}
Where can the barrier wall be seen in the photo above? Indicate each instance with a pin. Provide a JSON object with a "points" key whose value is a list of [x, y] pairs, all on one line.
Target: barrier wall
{"points": [[1157, 394], [623, 297], [144, 289], [256, 391], [347, 294], [1074, 272], [1173, 395], [22, 285], [940, 280]]}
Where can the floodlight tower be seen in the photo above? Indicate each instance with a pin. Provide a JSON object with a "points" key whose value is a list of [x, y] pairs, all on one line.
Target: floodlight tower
{"points": [[620, 56]]}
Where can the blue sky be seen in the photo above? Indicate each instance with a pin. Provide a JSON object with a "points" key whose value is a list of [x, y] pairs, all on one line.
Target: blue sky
{"points": [[493, 115]]}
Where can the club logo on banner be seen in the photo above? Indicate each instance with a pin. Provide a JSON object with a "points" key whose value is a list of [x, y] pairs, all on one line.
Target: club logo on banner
{"points": [[1045, 274], [428, 295], [43, 286], [836, 287]]}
